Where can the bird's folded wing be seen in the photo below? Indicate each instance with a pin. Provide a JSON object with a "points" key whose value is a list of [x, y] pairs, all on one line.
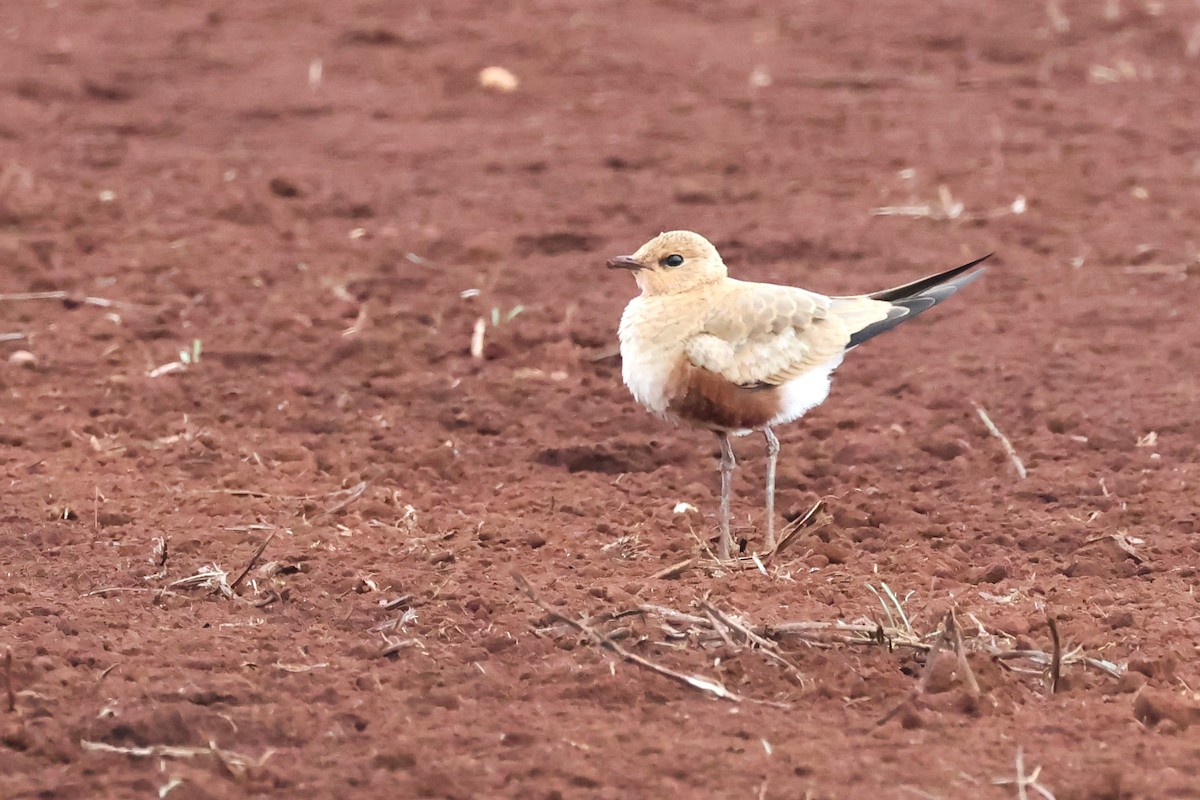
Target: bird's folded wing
{"points": [[761, 334]]}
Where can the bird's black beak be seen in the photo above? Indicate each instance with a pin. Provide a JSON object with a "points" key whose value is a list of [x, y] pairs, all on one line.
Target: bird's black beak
{"points": [[625, 262]]}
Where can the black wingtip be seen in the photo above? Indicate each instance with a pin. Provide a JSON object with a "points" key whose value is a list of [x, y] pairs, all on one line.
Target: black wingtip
{"points": [[928, 282], [914, 298]]}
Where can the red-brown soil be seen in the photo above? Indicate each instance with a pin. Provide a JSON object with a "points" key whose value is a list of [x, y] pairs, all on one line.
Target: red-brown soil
{"points": [[315, 228]]}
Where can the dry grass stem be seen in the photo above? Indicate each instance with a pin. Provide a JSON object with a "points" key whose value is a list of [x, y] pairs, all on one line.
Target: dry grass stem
{"points": [[710, 686], [117, 589], [791, 531], [360, 322], [947, 208], [1025, 782], [719, 628], [402, 600], [290, 497], [349, 496], [158, 558], [1008, 448], [945, 640], [895, 603], [100, 302], [605, 353], [715, 627], [1122, 541], [253, 560], [675, 570], [10, 694], [672, 615], [1055, 656], [865, 80], [964, 666], [392, 646], [207, 577], [767, 647], [477, 337], [1043, 659], [235, 764]]}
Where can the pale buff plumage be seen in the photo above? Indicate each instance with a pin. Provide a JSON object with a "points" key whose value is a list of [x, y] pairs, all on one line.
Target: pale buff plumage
{"points": [[732, 356]]}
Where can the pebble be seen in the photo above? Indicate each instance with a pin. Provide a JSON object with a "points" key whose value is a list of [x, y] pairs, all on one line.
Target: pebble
{"points": [[498, 79], [23, 358]]}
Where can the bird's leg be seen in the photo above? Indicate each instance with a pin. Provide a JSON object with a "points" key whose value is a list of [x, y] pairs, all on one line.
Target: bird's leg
{"points": [[728, 462], [772, 455]]}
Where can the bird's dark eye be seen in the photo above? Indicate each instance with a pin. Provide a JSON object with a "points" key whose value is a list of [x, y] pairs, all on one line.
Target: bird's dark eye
{"points": [[673, 260]]}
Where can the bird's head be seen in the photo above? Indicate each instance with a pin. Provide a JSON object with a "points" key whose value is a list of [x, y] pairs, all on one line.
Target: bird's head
{"points": [[673, 262]]}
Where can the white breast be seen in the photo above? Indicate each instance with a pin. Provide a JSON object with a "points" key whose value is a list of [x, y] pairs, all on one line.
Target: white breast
{"points": [[645, 371], [650, 351]]}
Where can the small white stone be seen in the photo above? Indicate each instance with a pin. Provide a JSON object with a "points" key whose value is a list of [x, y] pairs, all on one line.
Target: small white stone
{"points": [[760, 78], [498, 79], [23, 358]]}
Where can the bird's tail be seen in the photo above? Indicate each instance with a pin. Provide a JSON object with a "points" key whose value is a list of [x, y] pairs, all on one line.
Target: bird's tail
{"points": [[911, 299]]}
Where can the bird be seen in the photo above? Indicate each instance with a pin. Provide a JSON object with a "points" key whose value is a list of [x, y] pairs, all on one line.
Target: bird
{"points": [[716, 353]]}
